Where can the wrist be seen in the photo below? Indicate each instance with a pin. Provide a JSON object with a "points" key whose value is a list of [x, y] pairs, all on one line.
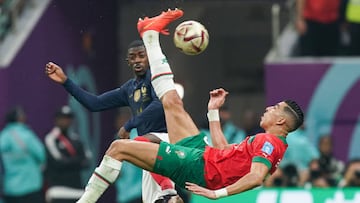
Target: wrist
{"points": [[64, 78], [64, 82], [221, 193], [213, 115]]}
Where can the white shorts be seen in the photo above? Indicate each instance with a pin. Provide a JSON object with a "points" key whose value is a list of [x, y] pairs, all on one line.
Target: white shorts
{"points": [[151, 191], [163, 136]]}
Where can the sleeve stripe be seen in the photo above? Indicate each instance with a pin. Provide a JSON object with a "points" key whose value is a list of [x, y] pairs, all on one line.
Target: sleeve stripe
{"points": [[262, 160]]}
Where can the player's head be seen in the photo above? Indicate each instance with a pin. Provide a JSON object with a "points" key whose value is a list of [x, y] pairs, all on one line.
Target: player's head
{"points": [[286, 116], [137, 58]]}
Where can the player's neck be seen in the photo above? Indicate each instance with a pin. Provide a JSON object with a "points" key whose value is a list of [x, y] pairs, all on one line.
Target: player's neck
{"points": [[277, 131]]}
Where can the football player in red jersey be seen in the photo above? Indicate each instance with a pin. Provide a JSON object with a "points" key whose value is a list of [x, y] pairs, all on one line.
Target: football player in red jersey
{"points": [[214, 172]]}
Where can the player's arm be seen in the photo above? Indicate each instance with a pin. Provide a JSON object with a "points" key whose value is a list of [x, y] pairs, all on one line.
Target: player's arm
{"points": [[253, 179], [300, 22], [300, 5], [217, 136], [111, 99], [217, 99]]}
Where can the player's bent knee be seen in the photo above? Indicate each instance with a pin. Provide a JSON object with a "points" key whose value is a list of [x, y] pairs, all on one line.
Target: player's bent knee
{"points": [[117, 147], [172, 103]]}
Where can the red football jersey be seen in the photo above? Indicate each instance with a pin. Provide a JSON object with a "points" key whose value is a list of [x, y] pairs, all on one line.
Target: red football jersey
{"points": [[323, 11], [225, 167]]}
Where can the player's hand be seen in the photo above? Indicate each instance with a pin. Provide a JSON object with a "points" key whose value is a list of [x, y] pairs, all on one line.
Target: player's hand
{"points": [[301, 26], [55, 72], [217, 98], [192, 187], [123, 134]]}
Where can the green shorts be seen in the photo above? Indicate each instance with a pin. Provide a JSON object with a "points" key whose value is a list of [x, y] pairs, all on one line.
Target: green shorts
{"points": [[183, 161]]}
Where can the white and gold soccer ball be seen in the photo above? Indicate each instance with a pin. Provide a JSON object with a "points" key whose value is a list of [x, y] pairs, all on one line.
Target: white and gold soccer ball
{"points": [[191, 37]]}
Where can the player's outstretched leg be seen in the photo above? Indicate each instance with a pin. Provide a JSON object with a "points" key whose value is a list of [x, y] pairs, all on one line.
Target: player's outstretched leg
{"points": [[104, 175], [141, 154], [178, 121], [149, 29], [159, 23]]}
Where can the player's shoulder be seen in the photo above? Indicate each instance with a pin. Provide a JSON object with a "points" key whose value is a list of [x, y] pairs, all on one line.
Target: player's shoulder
{"points": [[265, 136], [127, 85], [271, 138]]}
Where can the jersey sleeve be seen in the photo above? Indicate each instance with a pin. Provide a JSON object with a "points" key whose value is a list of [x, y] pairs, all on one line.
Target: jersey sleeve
{"points": [[110, 99], [265, 150]]}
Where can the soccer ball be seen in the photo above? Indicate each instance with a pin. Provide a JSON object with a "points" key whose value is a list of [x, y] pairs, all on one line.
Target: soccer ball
{"points": [[191, 37]]}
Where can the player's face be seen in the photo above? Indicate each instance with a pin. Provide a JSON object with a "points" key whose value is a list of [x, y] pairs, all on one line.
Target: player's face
{"points": [[137, 60], [272, 114]]}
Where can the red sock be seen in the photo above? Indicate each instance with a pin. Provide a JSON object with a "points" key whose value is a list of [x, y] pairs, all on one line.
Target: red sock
{"points": [[164, 182], [142, 138]]}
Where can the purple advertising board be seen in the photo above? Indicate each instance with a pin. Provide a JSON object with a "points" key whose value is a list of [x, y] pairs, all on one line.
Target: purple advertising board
{"points": [[328, 93]]}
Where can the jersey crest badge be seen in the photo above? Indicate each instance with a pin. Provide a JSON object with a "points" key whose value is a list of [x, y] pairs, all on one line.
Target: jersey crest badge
{"points": [[143, 90], [137, 95], [180, 154], [268, 148], [168, 150]]}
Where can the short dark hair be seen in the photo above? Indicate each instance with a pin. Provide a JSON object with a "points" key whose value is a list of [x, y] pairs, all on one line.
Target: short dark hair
{"points": [[295, 110], [13, 115], [136, 43]]}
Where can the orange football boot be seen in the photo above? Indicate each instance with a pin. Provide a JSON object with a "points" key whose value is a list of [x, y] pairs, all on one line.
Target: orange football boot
{"points": [[159, 23]]}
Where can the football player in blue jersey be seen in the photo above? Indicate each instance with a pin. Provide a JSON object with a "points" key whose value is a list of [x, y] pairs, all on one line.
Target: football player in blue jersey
{"points": [[148, 114]]}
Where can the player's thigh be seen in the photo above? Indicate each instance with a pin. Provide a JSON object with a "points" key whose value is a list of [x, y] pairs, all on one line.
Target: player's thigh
{"points": [[178, 121], [179, 127], [181, 164], [142, 154]]}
